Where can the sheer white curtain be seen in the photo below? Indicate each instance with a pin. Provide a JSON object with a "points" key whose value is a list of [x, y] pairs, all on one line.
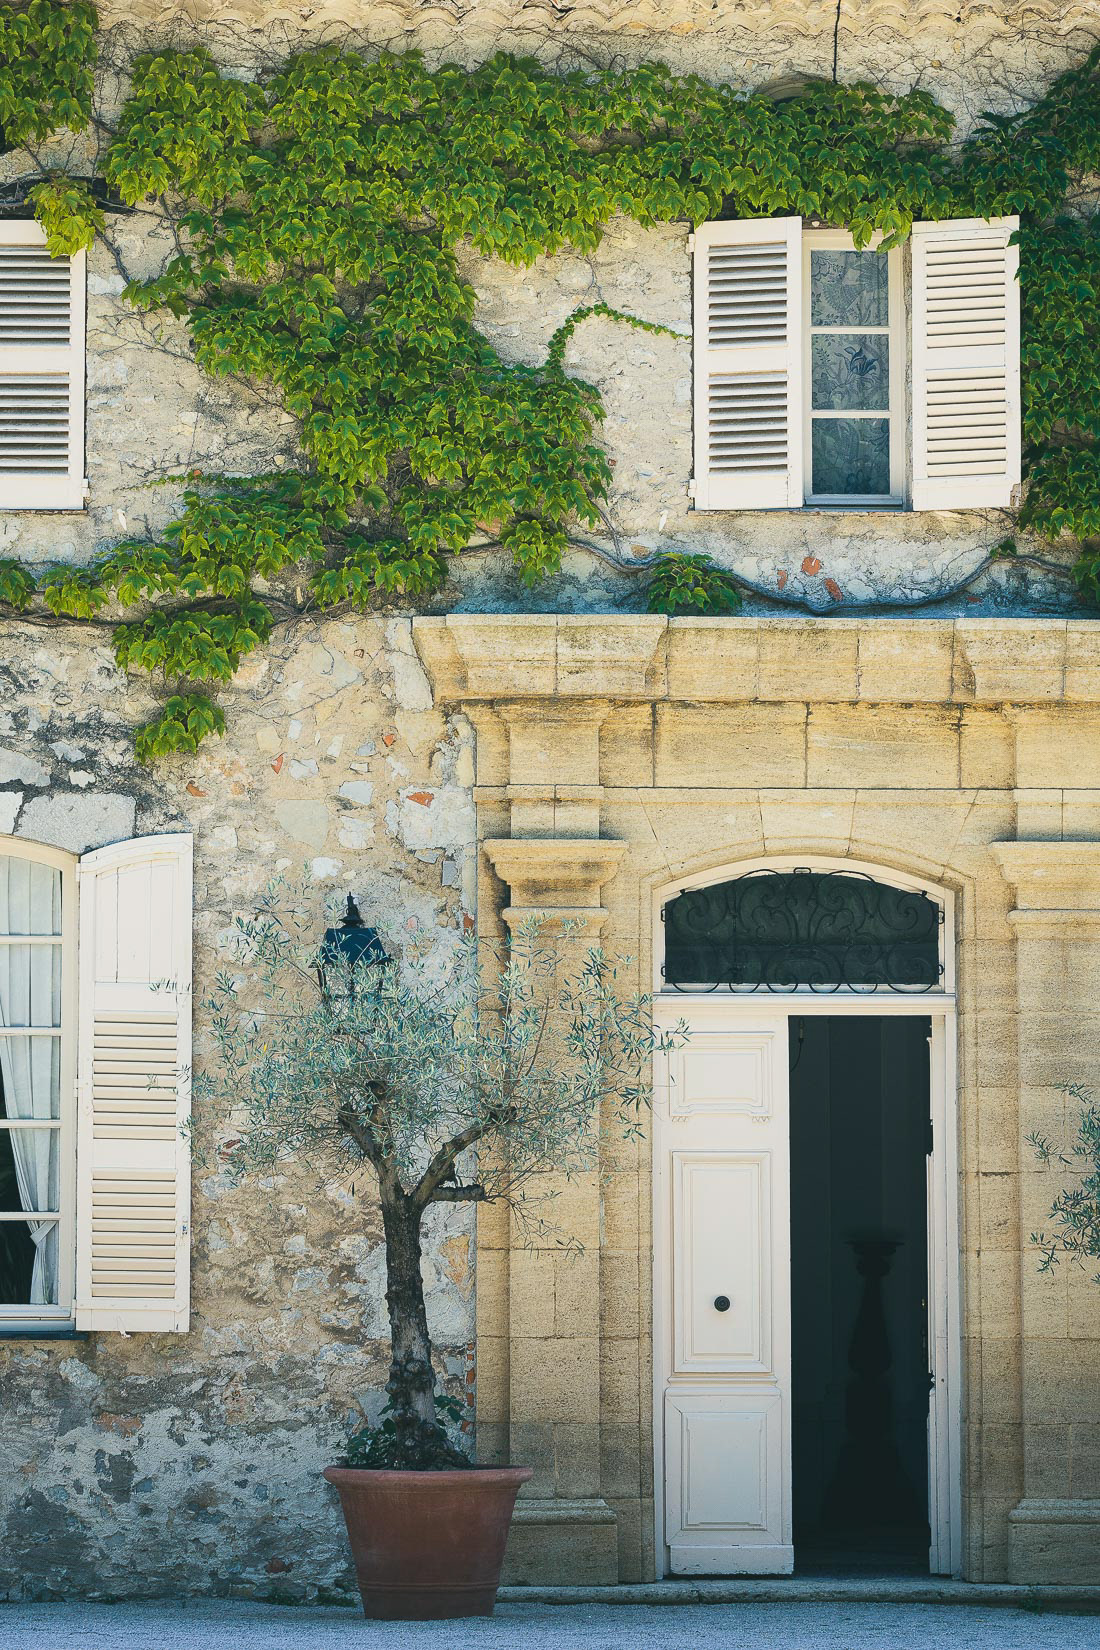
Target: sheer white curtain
{"points": [[30, 996]]}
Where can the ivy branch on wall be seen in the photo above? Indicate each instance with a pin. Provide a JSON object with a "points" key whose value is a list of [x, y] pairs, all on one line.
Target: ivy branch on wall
{"points": [[317, 217]]}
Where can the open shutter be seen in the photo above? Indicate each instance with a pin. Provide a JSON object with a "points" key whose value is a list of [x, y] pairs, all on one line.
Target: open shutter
{"points": [[748, 365], [966, 364], [41, 372], [133, 1082]]}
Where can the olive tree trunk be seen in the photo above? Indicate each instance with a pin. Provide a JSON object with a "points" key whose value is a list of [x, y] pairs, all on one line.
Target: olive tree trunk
{"points": [[422, 1441]]}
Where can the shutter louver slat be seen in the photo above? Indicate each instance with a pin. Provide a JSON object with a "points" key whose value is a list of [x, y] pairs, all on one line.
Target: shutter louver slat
{"points": [[748, 365], [133, 1236], [747, 291], [34, 425], [966, 365], [41, 372], [134, 1068], [34, 297], [133, 1205]]}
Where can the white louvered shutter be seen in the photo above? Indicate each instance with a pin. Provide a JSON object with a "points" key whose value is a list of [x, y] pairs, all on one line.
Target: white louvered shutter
{"points": [[41, 373], [133, 1082], [748, 365], [966, 364]]}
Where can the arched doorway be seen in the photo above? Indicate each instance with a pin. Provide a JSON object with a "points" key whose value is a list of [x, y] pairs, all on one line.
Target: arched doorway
{"points": [[806, 1352]]}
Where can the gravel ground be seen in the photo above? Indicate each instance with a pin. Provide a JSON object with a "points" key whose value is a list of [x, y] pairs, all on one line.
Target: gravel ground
{"points": [[793, 1626]]}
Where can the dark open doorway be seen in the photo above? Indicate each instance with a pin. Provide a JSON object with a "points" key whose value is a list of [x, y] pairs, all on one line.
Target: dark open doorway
{"points": [[859, 1280]]}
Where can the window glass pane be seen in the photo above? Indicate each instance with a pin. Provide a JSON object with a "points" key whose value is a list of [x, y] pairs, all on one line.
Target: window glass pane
{"points": [[850, 456], [850, 371], [848, 289], [29, 1169], [30, 1179], [30, 985], [30, 897], [777, 930], [28, 1263], [30, 1077]]}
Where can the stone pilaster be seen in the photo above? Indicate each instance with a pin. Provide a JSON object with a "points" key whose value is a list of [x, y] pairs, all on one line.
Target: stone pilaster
{"points": [[1055, 1528], [563, 1527]]}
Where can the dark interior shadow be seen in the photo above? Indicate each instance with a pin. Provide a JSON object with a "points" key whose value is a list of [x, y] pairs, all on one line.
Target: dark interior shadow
{"points": [[859, 1260]]}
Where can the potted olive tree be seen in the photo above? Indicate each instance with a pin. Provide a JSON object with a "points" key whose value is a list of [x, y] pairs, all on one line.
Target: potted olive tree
{"points": [[449, 1078]]}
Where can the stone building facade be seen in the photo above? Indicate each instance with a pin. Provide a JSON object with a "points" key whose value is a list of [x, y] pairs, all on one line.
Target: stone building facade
{"points": [[564, 752]]}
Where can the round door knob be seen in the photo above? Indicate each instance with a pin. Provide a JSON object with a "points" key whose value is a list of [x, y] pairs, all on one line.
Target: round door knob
{"points": [[721, 1303]]}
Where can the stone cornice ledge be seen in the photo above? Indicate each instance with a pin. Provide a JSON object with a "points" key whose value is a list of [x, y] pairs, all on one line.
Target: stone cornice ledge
{"points": [[508, 656], [540, 655], [1051, 877]]}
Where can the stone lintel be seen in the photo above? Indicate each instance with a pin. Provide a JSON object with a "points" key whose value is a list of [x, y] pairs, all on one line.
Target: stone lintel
{"points": [[1051, 878], [552, 875]]}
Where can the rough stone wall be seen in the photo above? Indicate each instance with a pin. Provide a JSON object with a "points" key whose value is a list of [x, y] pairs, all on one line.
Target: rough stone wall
{"points": [[152, 413], [190, 1463], [978, 53]]}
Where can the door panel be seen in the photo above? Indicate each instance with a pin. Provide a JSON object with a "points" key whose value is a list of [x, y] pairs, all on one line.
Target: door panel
{"points": [[725, 1453], [720, 1212], [724, 1271], [723, 1071]]}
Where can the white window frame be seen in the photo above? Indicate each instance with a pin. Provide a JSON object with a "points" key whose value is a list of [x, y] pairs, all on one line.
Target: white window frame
{"points": [[27, 1320], [823, 240]]}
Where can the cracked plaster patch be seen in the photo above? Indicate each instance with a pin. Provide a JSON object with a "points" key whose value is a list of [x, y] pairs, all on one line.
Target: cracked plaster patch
{"points": [[79, 822]]}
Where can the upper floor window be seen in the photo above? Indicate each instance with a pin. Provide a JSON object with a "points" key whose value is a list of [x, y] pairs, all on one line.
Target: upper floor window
{"points": [[41, 372], [811, 389]]}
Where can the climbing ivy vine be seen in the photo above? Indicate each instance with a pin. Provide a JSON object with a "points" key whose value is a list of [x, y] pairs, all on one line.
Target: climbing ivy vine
{"points": [[47, 63], [318, 217]]}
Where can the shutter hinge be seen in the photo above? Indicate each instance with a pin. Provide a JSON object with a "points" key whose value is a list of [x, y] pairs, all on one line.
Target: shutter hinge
{"points": [[691, 487], [929, 1138], [691, 240]]}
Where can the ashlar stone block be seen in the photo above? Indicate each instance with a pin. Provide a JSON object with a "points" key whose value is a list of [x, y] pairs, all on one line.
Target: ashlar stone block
{"points": [[730, 746], [911, 749]]}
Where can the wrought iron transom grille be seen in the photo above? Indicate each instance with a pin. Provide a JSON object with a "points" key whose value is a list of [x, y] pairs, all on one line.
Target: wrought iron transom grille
{"points": [[815, 930]]}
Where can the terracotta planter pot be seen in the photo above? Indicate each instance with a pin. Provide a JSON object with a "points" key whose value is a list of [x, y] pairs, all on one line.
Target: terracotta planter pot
{"points": [[427, 1545]]}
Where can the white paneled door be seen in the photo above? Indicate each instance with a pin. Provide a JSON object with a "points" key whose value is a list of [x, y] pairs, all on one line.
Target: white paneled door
{"points": [[723, 1316]]}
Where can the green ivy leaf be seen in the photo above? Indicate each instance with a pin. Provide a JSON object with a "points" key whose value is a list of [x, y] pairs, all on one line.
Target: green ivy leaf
{"points": [[691, 584]]}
